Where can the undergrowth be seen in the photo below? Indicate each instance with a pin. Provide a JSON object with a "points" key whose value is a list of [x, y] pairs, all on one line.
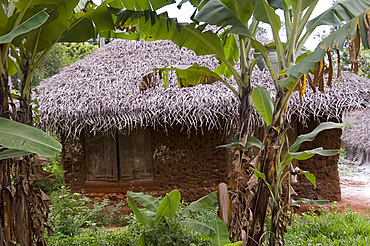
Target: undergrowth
{"points": [[72, 211], [55, 166], [329, 228]]}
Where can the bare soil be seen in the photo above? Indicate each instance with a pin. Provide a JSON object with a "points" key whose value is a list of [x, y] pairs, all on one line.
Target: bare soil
{"points": [[356, 192]]}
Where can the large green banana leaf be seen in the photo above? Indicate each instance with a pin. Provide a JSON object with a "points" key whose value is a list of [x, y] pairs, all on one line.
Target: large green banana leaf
{"points": [[14, 135], [341, 11], [33, 22], [335, 40]]}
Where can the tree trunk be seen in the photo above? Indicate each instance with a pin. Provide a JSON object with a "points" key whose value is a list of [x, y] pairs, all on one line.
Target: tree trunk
{"points": [[23, 206], [252, 198]]}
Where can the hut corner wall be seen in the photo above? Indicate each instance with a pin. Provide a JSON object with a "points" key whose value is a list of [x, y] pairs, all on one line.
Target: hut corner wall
{"points": [[324, 168]]}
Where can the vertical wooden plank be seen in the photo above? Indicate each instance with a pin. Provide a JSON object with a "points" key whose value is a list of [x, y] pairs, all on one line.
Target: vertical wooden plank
{"points": [[126, 166], [101, 156], [135, 155], [147, 170]]}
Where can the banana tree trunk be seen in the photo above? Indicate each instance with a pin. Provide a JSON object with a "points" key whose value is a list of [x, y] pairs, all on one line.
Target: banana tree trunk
{"points": [[23, 206], [6, 201]]}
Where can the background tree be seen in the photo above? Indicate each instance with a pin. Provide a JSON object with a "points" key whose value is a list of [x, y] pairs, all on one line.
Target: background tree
{"points": [[289, 65], [59, 56]]}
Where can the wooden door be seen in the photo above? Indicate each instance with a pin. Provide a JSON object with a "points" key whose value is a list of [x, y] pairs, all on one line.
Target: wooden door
{"points": [[135, 154], [101, 156]]}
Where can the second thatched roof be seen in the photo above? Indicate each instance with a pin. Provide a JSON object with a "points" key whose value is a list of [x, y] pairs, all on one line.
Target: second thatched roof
{"points": [[100, 92], [359, 137]]}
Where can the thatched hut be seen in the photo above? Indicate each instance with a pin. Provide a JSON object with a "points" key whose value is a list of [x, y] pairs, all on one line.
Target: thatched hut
{"points": [[357, 139], [115, 137]]}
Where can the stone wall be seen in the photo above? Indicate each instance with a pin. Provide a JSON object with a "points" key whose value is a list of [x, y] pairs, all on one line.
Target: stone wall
{"points": [[188, 161], [73, 161]]}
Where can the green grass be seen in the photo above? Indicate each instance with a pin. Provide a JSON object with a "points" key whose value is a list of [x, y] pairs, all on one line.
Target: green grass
{"points": [[96, 237], [331, 229]]}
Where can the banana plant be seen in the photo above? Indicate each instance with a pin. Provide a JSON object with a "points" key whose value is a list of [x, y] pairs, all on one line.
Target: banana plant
{"points": [[28, 30], [291, 66], [167, 212]]}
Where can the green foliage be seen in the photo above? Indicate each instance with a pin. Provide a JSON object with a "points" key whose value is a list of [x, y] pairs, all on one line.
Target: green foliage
{"points": [[189, 75], [363, 62], [59, 56], [96, 237], [329, 229], [47, 185], [263, 103], [26, 26], [71, 211], [26, 138], [166, 223]]}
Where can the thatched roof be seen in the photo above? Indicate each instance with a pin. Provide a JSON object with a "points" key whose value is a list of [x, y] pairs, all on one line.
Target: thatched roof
{"points": [[100, 92], [359, 137]]}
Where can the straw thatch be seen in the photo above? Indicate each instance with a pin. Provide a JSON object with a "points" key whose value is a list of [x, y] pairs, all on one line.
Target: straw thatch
{"points": [[359, 137], [100, 92]]}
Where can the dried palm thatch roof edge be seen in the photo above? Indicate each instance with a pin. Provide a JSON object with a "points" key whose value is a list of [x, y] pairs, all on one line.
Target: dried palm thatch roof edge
{"points": [[100, 92]]}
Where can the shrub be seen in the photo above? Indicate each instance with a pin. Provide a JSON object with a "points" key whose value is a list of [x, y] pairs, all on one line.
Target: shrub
{"points": [[55, 167], [71, 211]]}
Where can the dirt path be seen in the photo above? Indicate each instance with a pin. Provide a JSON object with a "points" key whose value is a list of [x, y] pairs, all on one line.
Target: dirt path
{"points": [[356, 190]]}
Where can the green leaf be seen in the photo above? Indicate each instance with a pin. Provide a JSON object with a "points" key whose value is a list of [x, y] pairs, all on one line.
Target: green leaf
{"points": [[305, 4], [233, 144], [191, 75], [258, 173], [140, 216], [339, 12], [302, 56], [304, 155], [228, 146], [14, 135], [168, 207], [221, 235], [215, 12], [235, 244], [30, 24], [147, 201], [199, 227], [311, 136], [12, 153], [311, 202], [3, 18], [141, 241], [231, 54], [12, 68], [141, 5], [252, 141], [199, 205], [263, 103], [22, 4], [261, 13], [102, 18], [336, 40], [81, 32], [309, 176]]}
